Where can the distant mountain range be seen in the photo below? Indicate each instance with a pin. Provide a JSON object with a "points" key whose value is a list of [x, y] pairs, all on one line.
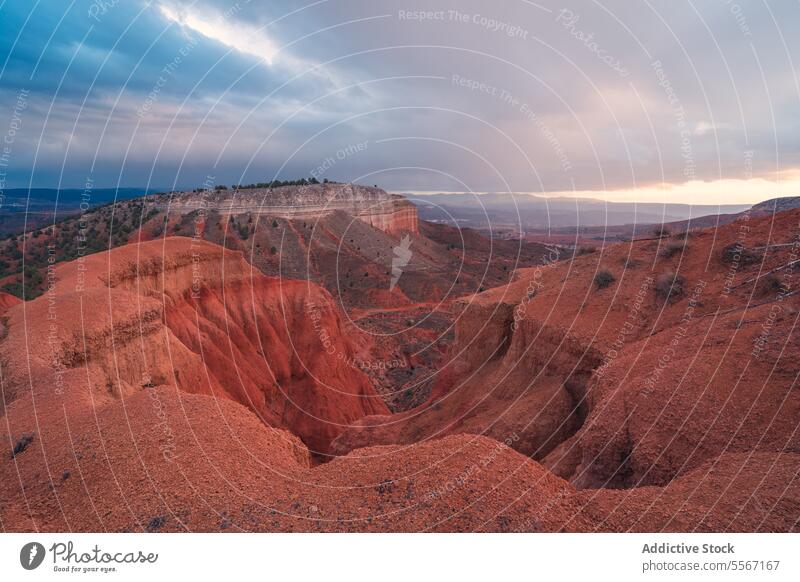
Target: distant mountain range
{"points": [[531, 212], [28, 209]]}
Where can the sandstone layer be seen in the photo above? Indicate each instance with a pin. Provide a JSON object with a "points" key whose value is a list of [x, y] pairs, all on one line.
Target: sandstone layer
{"points": [[387, 212]]}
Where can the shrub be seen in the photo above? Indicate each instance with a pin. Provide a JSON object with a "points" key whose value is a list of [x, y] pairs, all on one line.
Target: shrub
{"points": [[603, 279], [769, 284], [739, 254], [629, 263], [586, 250], [669, 286], [672, 248], [661, 230], [21, 445]]}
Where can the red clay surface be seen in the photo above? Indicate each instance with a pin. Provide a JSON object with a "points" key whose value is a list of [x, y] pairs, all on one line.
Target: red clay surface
{"points": [[169, 386]]}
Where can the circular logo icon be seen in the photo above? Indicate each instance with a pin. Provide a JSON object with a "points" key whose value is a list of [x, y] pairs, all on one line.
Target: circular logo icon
{"points": [[31, 555]]}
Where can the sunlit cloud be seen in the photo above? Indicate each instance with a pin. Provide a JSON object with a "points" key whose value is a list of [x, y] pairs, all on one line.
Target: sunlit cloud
{"points": [[704, 127], [726, 191], [235, 35], [230, 30]]}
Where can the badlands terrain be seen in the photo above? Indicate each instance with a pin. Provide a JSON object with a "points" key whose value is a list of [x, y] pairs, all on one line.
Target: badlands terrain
{"points": [[317, 358]]}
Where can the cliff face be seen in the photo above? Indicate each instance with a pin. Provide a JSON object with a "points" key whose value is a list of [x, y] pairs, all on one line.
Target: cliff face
{"points": [[190, 315], [389, 212]]}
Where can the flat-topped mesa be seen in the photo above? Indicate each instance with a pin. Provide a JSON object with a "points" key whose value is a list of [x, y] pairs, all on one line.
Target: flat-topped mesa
{"points": [[388, 212]]}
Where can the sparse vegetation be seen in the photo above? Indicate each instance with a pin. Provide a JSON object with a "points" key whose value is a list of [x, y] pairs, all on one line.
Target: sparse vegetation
{"points": [[661, 231], [629, 263], [156, 523], [279, 183], [603, 279], [585, 250], [737, 253], [672, 248], [28, 285], [21, 445], [669, 286], [769, 284]]}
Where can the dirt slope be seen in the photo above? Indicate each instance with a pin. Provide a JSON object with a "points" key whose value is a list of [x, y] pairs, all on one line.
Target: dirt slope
{"points": [[635, 383], [159, 394], [187, 313]]}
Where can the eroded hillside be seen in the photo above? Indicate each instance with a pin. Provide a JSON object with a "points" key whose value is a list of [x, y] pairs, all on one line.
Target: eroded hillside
{"points": [[171, 385]]}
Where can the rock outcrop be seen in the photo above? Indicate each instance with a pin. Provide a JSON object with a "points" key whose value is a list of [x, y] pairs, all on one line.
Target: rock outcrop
{"points": [[390, 213]]}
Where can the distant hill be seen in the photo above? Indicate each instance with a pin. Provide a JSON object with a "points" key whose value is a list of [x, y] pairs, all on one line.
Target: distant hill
{"points": [[28, 209], [340, 236], [529, 212], [774, 205], [582, 221]]}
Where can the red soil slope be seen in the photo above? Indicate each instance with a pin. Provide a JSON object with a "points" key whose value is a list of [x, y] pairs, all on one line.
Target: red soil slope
{"points": [[164, 460], [617, 386], [186, 313], [152, 394], [7, 301]]}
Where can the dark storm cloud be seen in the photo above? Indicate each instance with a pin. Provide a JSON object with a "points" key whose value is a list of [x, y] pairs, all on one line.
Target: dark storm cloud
{"points": [[445, 95]]}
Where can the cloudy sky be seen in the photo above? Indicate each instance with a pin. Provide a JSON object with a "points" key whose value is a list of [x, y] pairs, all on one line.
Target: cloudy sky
{"points": [[659, 99]]}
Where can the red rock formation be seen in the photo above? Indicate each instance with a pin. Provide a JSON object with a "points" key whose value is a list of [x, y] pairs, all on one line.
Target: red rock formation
{"points": [[170, 461], [151, 392], [164, 460], [400, 218], [187, 313], [516, 381], [653, 387], [7, 301]]}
